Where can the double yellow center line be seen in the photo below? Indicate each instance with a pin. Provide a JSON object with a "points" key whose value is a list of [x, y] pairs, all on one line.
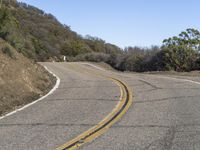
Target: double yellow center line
{"points": [[96, 131]]}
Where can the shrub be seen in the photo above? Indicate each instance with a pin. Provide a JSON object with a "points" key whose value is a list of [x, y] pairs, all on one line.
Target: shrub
{"points": [[94, 57], [178, 58], [8, 51]]}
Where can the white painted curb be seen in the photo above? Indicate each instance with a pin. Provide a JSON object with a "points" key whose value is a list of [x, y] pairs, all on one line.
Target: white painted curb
{"points": [[28, 105]]}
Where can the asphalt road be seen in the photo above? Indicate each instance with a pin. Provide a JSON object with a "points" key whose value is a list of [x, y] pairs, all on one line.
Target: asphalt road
{"points": [[165, 114]]}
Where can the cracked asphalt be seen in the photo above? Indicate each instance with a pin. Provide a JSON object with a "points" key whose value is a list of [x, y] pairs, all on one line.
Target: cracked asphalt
{"points": [[165, 114]]}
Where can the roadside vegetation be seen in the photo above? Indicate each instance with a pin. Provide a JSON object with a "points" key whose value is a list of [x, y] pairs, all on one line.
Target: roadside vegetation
{"points": [[41, 37], [179, 53]]}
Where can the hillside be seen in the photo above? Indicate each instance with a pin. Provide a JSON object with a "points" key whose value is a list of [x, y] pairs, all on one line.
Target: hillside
{"points": [[28, 35], [42, 37], [21, 80]]}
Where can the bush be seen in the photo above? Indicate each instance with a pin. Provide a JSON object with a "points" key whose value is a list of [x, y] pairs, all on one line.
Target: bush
{"points": [[74, 48], [94, 57], [134, 59], [178, 58], [8, 51]]}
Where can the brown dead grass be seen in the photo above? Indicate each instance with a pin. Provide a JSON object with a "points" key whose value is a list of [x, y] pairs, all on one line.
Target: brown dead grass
{"points": [[21, 80]]}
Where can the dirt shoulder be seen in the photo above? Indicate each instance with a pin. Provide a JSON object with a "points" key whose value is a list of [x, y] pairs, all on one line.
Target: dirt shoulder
{"points": [[21, 80]]}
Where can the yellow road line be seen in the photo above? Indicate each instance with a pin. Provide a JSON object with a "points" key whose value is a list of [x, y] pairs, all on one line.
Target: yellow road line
{"points": [[96, 131]]}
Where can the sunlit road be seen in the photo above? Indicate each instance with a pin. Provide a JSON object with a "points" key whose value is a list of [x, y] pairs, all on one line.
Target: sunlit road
{"points": [[165, 114]]}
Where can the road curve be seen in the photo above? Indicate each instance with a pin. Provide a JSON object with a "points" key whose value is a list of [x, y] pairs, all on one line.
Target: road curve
{"points": [[165, 113]]}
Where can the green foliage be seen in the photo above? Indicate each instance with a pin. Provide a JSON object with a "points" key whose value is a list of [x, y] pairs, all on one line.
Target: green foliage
{"points": [[74, 48], [180, 53], [41, 36], [8, 51], [179, 58], [4, 21], [93, 57], [8, 28], [189, 38], [134, 59], [99, 45]]}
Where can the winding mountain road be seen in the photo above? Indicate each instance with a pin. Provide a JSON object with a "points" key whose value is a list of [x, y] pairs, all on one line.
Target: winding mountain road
{"points": [[164, 115]]}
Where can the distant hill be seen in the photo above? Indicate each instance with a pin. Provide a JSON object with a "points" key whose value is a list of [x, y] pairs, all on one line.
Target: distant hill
{"points": [[42, 37]]}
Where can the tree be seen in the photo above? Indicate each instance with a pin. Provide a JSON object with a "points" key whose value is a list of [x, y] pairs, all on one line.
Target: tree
{"points": [[73, 48], [181, 53], [179, 58], [189, 38]]}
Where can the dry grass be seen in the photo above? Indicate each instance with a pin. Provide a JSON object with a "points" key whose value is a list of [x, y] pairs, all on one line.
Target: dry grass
{"points": [[21, 81]]}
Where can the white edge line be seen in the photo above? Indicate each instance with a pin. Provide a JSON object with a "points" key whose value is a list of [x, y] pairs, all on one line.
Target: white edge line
{"points": [[94, 66], [173, 78], [32, 103]]}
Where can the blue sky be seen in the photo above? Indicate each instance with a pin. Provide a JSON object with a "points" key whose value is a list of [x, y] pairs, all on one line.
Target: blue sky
{"points": [[125, 22]]}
